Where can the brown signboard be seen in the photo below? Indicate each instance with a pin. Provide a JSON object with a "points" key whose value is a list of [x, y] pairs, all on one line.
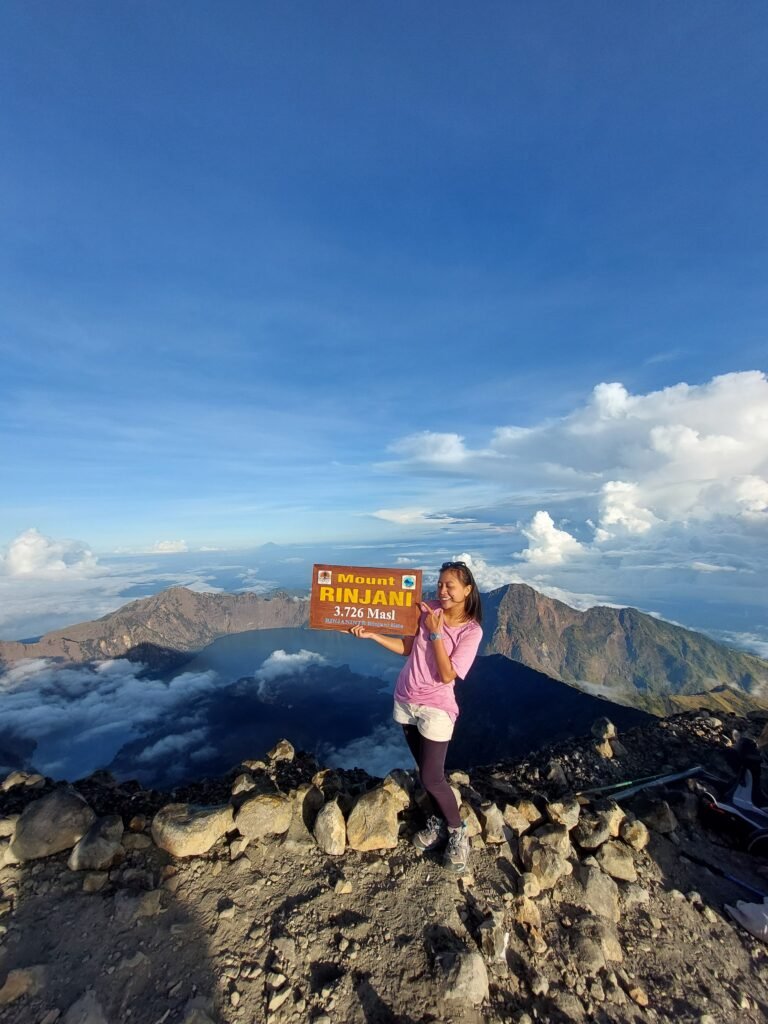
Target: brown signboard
{"points": [[382, 600]]}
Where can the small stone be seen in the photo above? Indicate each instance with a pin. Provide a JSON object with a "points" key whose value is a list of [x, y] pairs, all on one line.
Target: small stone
{"points": [[710, 915], [278, 998], [234, 997], [638, 995], [95, 881], [342, 887], [539, 984], [137, 823]]}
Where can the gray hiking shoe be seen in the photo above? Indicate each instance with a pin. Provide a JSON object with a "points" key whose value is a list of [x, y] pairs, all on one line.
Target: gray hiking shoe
{"points": [[434, 835], [457, 852]]}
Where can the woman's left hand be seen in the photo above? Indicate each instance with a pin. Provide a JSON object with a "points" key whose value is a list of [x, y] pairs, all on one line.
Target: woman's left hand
{"points": [[433, 618]]}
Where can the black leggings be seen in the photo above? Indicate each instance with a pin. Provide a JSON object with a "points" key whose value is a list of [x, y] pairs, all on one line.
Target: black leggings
{"points": [[429, 756]]}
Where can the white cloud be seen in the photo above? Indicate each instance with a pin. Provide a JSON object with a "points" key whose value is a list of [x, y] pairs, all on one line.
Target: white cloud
{"points": [[80, 716], [420, 517], [33, 555], [280, 663], [692, 456], [491, 577], [431, 446], [548, 544], [378, 754], [168, 547]]}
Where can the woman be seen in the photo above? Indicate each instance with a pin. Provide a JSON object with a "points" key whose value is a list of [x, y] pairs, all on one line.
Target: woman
{"points": [[442, 650]]}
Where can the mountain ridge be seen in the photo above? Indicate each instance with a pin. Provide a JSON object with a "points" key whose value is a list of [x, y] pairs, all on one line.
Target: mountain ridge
{"points": [[636, 658]]}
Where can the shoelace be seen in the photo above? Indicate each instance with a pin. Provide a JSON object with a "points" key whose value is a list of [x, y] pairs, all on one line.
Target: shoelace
{"points": [[454, 840]]}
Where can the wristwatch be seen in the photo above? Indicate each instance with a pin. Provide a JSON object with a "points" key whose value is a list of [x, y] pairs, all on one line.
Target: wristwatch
{"points": [[435, 636]]}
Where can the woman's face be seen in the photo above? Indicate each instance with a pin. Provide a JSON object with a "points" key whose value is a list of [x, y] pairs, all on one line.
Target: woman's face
{"points": [[451, 592]]}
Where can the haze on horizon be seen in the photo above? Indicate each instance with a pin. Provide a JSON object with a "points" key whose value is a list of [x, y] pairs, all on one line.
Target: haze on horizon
{"points": [[384, 285]]}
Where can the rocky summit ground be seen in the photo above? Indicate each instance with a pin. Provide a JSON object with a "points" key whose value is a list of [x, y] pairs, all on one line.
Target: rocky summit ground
{"points": [[284, 893]]}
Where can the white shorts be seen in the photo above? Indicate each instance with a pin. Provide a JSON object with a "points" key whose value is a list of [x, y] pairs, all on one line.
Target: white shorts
{"points": [[432, 723]]}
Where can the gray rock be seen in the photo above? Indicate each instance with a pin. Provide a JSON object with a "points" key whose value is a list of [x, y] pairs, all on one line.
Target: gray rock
{"points": [[51, 824], [266, 814], [331, 830], [100, 848], [188, 830], [467, 981]]}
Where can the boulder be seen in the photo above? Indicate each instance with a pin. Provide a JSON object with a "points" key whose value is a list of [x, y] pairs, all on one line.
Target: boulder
{"points": [[189, 830], [100, 848], [492, 822], [660, 817], [306, 802], [372, 822], [592, 831], [554, 836], [612, 812], [616, 860], [467, 981], [600, 893], [8, 825], [634, 834], [20, 982], [564, 812], [399, 785], [545, 864], [331, 830], [32, 780], [471, 820], [49, 825], [603, 729], [267, 814], [282, 751]]}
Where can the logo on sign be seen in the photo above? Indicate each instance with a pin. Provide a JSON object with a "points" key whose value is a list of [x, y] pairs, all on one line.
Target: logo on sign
{"points": [[409, 582]]}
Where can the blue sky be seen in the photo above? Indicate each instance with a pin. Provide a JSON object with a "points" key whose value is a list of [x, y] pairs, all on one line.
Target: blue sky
{"points": [[332, 274]]}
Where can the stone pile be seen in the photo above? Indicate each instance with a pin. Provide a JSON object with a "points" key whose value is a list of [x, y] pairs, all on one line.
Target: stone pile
{"points": [[566, 900]]}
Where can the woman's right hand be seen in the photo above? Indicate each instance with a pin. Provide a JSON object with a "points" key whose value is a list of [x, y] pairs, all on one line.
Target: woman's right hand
{"points": [[361, 632]]}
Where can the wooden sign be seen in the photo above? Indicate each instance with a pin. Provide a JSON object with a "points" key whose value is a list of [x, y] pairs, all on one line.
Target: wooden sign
{"points": [[382, 600]]}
